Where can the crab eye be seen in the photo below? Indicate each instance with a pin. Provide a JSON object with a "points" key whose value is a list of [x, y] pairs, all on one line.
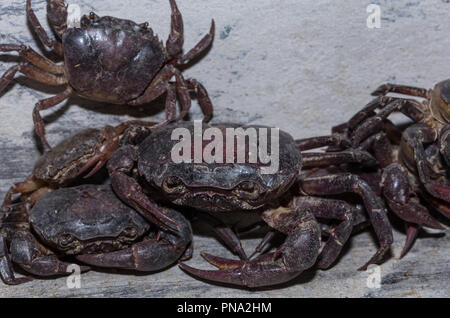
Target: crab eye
{"points": [[248, 186], [172, 184], [130, 232], [65, 240]]}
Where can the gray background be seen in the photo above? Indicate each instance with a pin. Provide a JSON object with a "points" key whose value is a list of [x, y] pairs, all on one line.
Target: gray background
{"points": [[302, 66]]}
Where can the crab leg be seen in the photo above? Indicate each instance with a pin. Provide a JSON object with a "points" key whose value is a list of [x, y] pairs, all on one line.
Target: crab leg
{"points": [[336, 139], [338, 236], [375, 124], [401, 89], [32, 72], [32, 257], [46, 104], [6, 267], [381, 148], [298, 253], [410, 108], [111, 137], [198, 49], [174, 43], [43, 36], [312, 159], [29, 185], [203, 99], [151, 254], [129, 191], [30, 55], [325, 184], [412, 230], [399, 195], [226, 234]]}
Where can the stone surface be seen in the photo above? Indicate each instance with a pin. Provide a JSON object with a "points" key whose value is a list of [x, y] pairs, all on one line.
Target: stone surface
{"points": [[303, 66]]}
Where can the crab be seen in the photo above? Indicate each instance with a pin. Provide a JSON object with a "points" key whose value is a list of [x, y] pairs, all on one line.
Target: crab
{"points": [[417, 163], [70, 159], [90, 224], [288, 201], [111, 60]]}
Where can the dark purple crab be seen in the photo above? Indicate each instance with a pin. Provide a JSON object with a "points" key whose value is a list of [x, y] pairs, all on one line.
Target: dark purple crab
{"points": [[287, 200], [89, 223], [431, 125], [417, 165], [69, 160], [110, 60]]}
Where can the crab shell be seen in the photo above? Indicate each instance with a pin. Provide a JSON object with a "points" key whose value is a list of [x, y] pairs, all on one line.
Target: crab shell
{"points": [[216, 186], [111, 60], [63, 162], [86, 219]]}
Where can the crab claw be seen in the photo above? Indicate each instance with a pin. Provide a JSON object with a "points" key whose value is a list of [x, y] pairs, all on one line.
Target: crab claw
{"points": [[111, 137], [401, 198], [298, 253], [265, 270], [149, 255]]}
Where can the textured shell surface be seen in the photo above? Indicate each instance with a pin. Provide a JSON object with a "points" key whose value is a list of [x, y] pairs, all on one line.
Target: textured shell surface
{"points": [[111, 59], [87, 212]]}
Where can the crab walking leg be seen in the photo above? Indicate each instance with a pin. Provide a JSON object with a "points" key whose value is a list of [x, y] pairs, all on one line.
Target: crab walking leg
{"points": [[158, 86], [129, 191], [198, 49], [183, 94], [375, 124], [174, 43], [32, 72], [30, 184], [312, 159], [348, 183], [439, 205], [225, 233], [381, 148], [401, 89], [151, 254], [203, 98], [338, 236], [412, 230], [30, 55], [298, 252], [336, 139], [46, 104], [43, 36], [414, 138], [161, 85], [411, 108], [112, 137]]}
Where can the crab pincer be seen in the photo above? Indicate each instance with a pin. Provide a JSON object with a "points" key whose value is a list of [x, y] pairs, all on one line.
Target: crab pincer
{"points": [[298, 253]]}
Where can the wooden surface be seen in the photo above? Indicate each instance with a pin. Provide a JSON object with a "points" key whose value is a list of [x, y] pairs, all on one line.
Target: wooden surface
{"points": [[302, 66]]}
